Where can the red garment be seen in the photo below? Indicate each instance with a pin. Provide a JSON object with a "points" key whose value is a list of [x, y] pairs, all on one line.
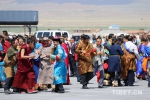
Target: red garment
{"points": [[6, 46], [25, 77], [76, 55], [64, 45]]}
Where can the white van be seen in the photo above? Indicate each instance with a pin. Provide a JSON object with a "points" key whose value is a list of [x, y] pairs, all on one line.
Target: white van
{"points": [[47, 33], [66, 34]]}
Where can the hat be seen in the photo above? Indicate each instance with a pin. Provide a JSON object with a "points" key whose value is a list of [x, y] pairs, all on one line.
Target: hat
{"points": [[45, 38], [57, 39]]}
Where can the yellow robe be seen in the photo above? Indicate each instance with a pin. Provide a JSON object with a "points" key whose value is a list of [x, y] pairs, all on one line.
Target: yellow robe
{"points": [[85, 60], [128, 62]]}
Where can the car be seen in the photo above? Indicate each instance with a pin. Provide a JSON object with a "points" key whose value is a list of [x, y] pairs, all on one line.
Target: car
{"points": [[54, 33]]}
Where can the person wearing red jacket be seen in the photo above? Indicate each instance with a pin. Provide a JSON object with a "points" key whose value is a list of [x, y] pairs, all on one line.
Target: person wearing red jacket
{"points": [[65, 47], [6, 45]]}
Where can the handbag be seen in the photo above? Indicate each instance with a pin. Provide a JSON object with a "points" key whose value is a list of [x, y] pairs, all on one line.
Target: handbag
{"points": [[105, 65], [6, 60]]}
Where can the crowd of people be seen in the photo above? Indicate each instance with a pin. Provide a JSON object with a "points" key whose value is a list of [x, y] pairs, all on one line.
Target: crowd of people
{"points": [[28, 65]]}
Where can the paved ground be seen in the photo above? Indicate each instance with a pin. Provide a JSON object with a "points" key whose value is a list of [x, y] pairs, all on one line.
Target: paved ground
{"points": [[74, 92]]}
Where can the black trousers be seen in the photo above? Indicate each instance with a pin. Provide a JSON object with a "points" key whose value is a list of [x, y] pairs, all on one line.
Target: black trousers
{"points": [[114, 76], [85, 78], [8, 83], [130, 78], [72, 63]]}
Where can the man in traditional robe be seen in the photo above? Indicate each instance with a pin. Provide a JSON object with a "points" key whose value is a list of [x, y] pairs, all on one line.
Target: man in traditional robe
{"points": [[60, 69], [45, 75], [129, 60], [146, 60], [25, 77], [85, 51]]}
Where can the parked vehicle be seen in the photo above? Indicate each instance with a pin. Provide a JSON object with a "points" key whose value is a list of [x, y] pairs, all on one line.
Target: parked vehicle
{"points": [[54, 33]]}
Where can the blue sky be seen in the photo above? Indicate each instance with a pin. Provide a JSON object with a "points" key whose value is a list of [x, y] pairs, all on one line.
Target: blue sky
{"points": [[87, 2]]}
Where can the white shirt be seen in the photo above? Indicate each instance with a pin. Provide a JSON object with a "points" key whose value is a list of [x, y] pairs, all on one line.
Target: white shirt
{"points": [[98, 58], [132, 48]]}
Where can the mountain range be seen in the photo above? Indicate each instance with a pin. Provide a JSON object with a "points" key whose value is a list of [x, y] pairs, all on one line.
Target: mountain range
{"points": [[85, 12]]}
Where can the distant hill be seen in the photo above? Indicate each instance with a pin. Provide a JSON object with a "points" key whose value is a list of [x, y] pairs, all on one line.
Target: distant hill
{"points": [[79, 14]]}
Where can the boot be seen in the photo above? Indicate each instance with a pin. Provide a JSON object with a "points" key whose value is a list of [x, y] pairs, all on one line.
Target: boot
{"points": [[56, 88], [85, 87], [61, 88], [119, 82], [16, 90], [84, 82]]}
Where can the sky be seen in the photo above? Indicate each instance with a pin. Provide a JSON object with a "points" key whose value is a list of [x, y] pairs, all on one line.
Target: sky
{"points": [[86, 2]]}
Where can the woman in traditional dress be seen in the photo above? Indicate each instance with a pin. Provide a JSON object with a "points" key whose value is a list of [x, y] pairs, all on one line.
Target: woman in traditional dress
{"points": [[114, 66]]}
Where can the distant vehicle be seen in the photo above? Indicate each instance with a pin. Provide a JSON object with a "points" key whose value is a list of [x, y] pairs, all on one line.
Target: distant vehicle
{"points": [[77, 37], [54, 33], [66, 34]]}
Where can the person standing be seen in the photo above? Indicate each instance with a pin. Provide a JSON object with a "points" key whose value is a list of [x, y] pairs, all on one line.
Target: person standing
{"points": [[10, 61], [73, 69], [146, 60], [98, 62], [65, 47], [85, 52], [2, 74], [60, 69], [45, 76], [140, 73], [114, 62], [25, 77], [129, 60], [5, 43]]}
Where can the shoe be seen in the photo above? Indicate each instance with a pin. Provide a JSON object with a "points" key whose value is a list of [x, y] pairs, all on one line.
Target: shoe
{"points": [[100, 87], [7, 92], [115, 84], [67, 84], [85, 87], [149, 86], [131, 85], [61, 91], [31, 91], [16, 90]]}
